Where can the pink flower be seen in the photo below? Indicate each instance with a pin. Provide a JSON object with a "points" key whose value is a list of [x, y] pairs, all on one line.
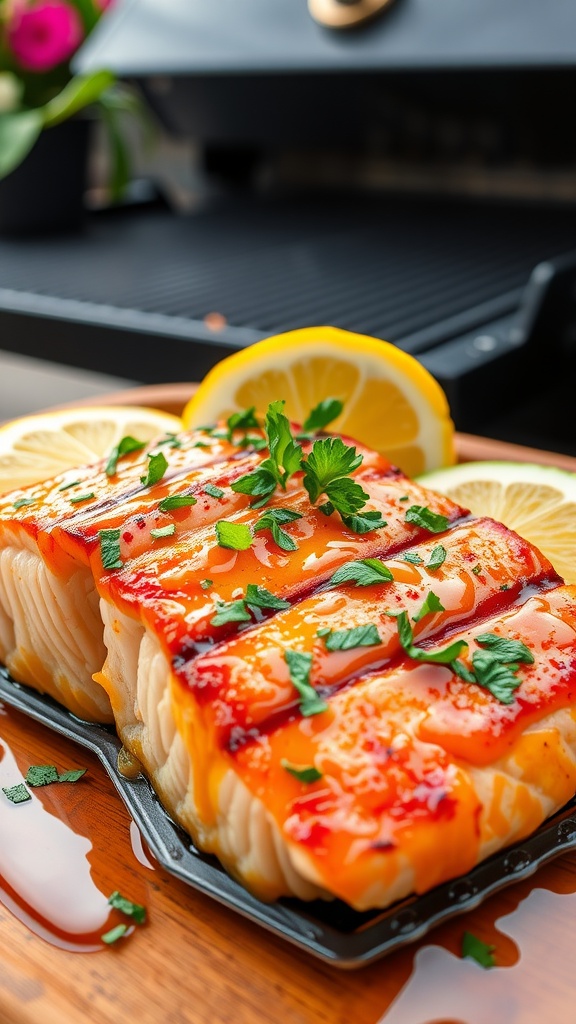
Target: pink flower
{"points": [[103, 4], [45, 34]]}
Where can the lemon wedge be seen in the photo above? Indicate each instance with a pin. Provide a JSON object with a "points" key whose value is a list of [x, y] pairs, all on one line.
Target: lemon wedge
{"points": [[35, 448], [391, 402], [539, 502]]}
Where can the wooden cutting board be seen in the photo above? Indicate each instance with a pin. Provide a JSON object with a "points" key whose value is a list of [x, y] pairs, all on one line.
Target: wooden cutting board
{"points": [[197, 962]]}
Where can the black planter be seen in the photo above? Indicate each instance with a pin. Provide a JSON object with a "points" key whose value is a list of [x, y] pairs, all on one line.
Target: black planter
{"points": [[46, 192]]}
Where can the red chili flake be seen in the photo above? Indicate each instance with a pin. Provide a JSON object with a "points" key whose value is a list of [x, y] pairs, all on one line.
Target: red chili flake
{"points": [[128, 537]]}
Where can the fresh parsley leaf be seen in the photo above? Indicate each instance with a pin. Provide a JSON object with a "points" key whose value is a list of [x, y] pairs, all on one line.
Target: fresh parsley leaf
{"points": [[133, 910], [459, 669], [82, 497], [23, 502], [206, 584], [41, 775], [365, 522], [16, 794], [73, 483], [214, 492], [346, 639], [114, 934], [474, 949], [110, 549], [163, 531], [285, 454], [346, 496], [253, 441], [157, 466], [176, 501], [506, 650], [420, 515], [233, 611], [299, 666], [499, 679], [172, 440], [363, 573], [273, 520], [437, 557], [261, 484], [124, 447], [476, 570], [72, 775], [405, 497], [329, 460], [259, 597], [431, 604], [323, 414], [414, 558], [443, 657], [233, 535], [302, 772], [242, 420]]}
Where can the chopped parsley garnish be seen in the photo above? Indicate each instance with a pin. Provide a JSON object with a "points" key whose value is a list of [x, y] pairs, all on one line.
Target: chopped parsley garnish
{"points": [[437, 557], [110, 549], [233, 535], [302, 772], [252, 441], [206, 584], [323, 414], [506, 650], [474, 949], [23, 502], [82, 497], [431, 604], [476, 570], [72, 775], [214, 492], [243, 420], [274, 519], [365, 522], [421, 515], [157, 466], [133, 910], [172, 440], [329, 462], [284, 460], [494, 676], [114, 934], [364, 573], [16, 794], [231, 611], [405, 497], [414, 558], [73, 483], [124, 447], [176, 501], [163, 531], [347, 639], [259, 597], [299, 666], [406, 636], [46, 774]]}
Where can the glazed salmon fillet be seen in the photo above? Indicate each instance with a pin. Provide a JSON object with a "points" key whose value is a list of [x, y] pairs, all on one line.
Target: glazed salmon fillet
{"points": [[341, 704]]}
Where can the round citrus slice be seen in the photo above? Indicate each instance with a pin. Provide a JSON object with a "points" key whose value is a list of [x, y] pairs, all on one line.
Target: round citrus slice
{"points": [[391, 402], [539, 502], [35, 448]]}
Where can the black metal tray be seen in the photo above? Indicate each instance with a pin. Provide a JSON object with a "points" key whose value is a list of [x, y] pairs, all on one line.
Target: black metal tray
{"points": [[331, 931]]}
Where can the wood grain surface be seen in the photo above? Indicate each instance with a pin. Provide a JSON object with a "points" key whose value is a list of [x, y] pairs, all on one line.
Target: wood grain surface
{"points": [[196, 962]]}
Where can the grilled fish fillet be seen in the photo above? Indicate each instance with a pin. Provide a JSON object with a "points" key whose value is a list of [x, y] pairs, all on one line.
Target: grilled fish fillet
{"points": [[405, 774]]}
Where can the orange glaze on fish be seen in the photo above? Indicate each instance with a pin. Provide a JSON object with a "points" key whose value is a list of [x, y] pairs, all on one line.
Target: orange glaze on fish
{"points": [[392, 752], [245, 680]]}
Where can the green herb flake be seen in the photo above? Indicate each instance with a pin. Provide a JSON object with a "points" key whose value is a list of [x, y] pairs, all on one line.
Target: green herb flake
{"points": [[16, 794], [206, 584], [506, 650], [347, 639], [431, 605], [236, 536], [214, 492], [72, 775], [437, 558], [364, 573], [405, 497], [413, 558], [231, 611], [163, 531], [329, 460], [110, 549], [126, 445], [273, 519], [474, 949], [157, 466], [302, 772], [114, 934], [24, 502], [421, 515], [41, 775], [499, 679], [364, 523], [134, 910], [476, 570], [73, 483], [323, 414], [505, 586], [82, 497], [172, 440], [174, 501], [442, 657], [243, 420], [259, 597], [299, 666]]}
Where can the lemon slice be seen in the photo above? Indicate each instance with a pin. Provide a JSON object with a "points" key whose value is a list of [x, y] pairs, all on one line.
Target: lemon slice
{"points": [[391, 403], [539, 502], [35, 448]]}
